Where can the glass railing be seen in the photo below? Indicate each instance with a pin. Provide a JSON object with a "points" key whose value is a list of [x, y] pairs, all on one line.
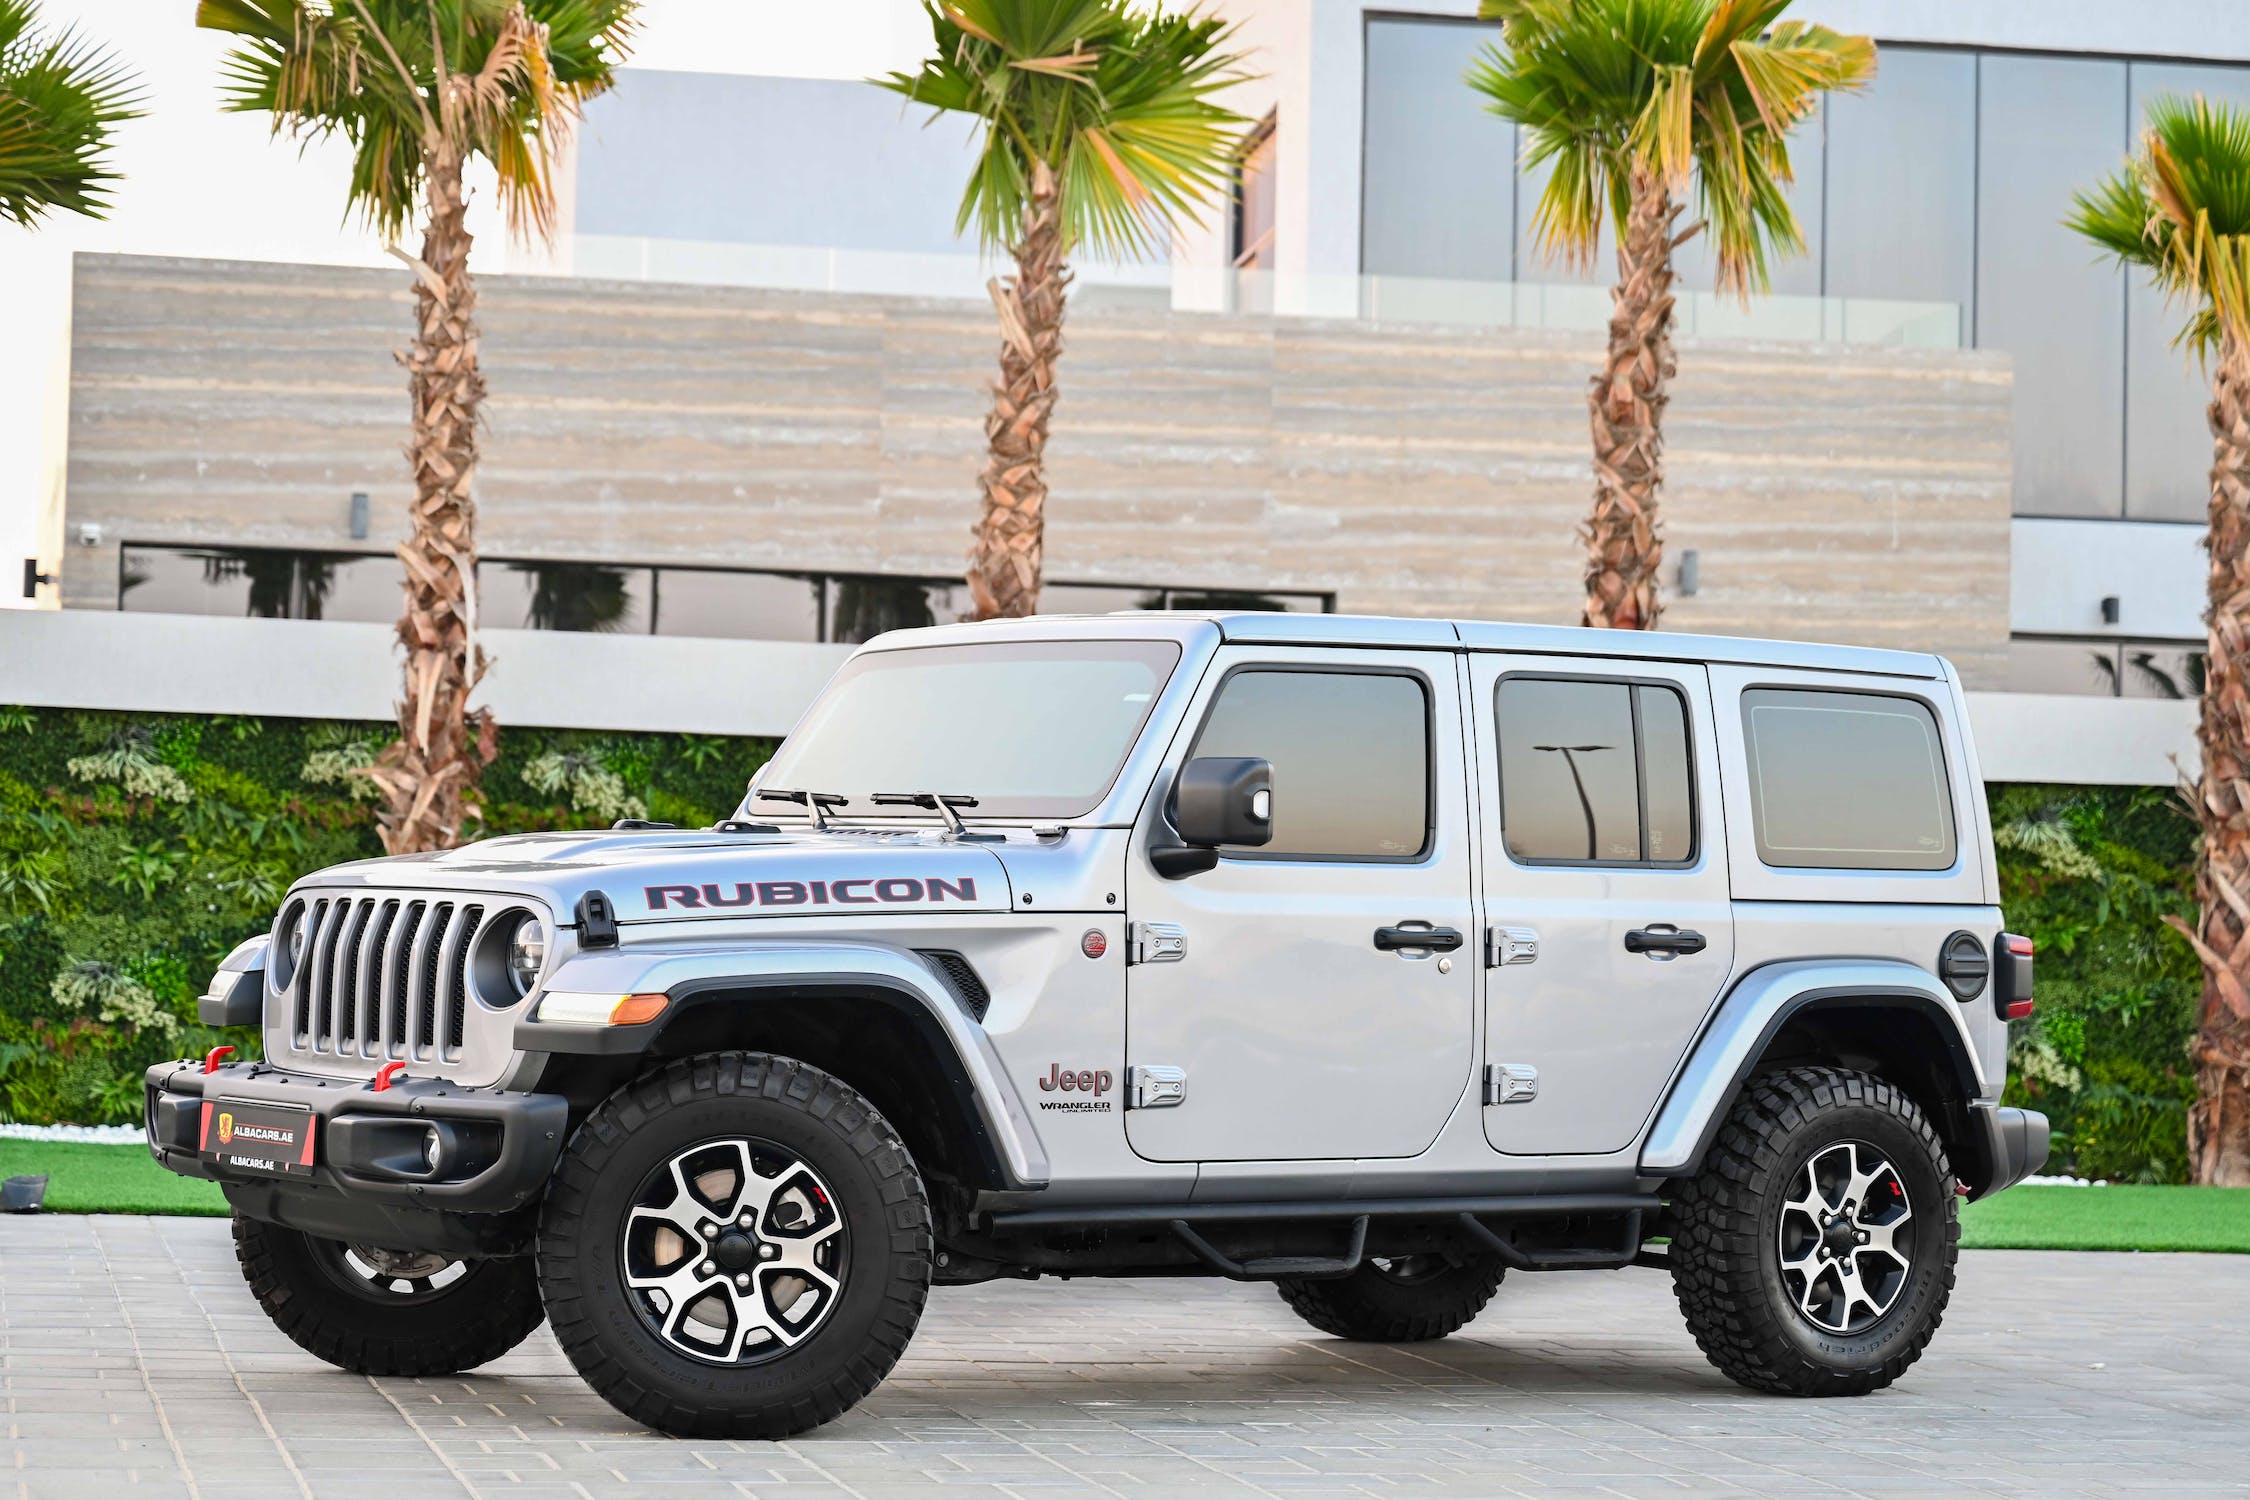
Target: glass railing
{"points": [[1572, 306]]}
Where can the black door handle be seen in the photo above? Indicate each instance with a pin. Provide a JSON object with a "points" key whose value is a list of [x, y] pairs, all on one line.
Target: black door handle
{"points": [[1436, 939], [1663, 939]]}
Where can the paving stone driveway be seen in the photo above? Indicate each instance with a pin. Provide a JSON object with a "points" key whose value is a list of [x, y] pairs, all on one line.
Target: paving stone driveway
{"points": [[134, 1364]]}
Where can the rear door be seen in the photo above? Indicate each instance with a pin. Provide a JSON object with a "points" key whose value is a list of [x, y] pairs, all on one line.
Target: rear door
{"points": [[1301, 1033], [1610, 934]]}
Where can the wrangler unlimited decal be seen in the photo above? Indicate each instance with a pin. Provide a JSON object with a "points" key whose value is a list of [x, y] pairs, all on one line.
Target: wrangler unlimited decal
{"points": [[894, 890]]}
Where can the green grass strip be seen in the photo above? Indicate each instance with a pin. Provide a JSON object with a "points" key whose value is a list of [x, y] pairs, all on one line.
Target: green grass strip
{"points": [[89, 1177], [2110, 1218]]}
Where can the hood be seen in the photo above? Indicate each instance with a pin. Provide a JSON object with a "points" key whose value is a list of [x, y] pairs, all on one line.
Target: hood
{"points": [[668, 874]]}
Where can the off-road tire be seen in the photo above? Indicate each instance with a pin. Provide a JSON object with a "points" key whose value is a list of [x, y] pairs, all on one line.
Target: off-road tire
{"points": [[1724, 1255], [879, 1196], [1371, 1306], [490, 1309]]}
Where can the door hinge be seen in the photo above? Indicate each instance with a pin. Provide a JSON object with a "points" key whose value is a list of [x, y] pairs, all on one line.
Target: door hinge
{"points": [[1510, 945], [1510, 1083], [1155, 943], [1155, 1086]]}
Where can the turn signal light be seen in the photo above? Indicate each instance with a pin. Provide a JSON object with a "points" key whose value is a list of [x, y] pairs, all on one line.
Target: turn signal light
{"points": [[576, 1008]]}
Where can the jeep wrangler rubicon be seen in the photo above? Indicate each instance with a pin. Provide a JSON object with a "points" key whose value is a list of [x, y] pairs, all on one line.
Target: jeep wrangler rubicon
{"points": [[1375, 959]]}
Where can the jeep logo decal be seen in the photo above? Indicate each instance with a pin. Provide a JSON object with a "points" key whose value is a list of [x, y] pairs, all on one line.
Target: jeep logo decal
{"points": [[893, 890], [1095, 1082]]}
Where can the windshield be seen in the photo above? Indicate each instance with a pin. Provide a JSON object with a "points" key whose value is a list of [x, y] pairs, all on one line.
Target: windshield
{"points": [[1031, 729]]}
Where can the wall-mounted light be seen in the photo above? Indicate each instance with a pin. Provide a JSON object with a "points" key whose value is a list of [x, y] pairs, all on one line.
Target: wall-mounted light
{"points": [[33, 579], [89, 533], [2111, 610], [1691, 572], [359, 515]]}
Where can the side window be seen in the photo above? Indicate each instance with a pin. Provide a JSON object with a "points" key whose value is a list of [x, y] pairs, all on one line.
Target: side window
{"points": [[1851, 781], [1594, 772], [1350, 754]]}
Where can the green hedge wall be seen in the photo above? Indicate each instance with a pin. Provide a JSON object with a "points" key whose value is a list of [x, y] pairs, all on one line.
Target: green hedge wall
{"points": [[135, 850]]}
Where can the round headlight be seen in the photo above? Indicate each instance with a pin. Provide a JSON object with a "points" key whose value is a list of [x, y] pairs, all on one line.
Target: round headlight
{"points": [[289, 947], [527, 954]]}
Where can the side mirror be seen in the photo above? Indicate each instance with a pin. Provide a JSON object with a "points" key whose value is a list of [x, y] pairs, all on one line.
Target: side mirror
{"points": [[1217, 802]]}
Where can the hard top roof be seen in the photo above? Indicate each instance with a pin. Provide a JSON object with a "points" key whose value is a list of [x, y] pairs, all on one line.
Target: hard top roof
{"points": [[1282, 629]]}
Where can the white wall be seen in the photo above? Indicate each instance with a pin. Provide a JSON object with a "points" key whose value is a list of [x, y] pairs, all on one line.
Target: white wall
{"points": [[152, 663], [155, 663], [2060, 571]]}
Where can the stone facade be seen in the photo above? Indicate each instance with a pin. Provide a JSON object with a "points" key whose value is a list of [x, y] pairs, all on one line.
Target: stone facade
{"points": [[1854, 494]]}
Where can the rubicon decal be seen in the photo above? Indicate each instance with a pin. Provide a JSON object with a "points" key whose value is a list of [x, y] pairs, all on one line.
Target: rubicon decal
{"points": [[894, 890]]}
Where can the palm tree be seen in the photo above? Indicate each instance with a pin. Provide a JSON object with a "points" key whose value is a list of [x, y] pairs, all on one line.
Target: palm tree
{"points": [[59, 97], [2180, 211], [417, 88], [1098, 132], [1637, 104]]}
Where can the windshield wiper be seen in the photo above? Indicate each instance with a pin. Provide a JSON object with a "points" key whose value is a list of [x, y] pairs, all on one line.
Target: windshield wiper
{"points": [[943, 804], [811, 802]]}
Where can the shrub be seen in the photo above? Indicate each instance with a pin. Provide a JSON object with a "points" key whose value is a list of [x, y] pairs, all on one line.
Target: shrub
{"points": [[137, 849]]}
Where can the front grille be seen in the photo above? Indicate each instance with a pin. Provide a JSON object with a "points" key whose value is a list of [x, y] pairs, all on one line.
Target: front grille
{"points": [[384, 978], [968, 984]]}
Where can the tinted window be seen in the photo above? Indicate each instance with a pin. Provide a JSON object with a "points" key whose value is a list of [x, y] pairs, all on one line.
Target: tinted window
{"points": [[1350, 754], [1594, 771], [1031, 729], [1849, 781]]}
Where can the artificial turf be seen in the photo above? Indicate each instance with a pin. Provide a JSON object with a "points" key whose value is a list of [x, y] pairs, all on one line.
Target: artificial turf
{"points": [[89, 1177], [85, 1177], [2110, 1218]]}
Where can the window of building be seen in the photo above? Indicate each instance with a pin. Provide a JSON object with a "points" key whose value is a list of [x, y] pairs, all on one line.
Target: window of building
{"points": [[1254, 199], [1850, 781], [729, 605], [594, 597], [1594, 772], [1350, 754]]}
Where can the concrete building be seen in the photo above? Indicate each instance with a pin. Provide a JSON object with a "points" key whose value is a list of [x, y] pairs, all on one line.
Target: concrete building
{"points": [[741, 395]]}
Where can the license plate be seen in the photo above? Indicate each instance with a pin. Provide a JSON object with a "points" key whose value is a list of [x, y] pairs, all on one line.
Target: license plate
{"points": [[258, 1137]]}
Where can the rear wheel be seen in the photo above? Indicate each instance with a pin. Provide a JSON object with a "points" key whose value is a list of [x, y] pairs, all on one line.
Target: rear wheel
{"points": [[735, 1246], [1813, 1255], [387, 1312], [1396, 1300]]}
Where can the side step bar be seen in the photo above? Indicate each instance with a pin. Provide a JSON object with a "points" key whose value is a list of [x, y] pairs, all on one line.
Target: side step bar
{"points": [[1272, 1266], [1520, 1206], [1516, 1258]]}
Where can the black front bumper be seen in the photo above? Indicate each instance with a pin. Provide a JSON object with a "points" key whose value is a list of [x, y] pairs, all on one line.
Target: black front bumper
{"points": [[369, 1183]]}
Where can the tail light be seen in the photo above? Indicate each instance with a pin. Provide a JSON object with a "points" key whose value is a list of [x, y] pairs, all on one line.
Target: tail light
{"points": [[2011, 968]]}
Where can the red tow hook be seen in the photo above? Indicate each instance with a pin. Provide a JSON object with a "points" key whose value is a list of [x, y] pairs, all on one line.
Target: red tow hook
{"points": [[384, 1075], [214, 1057]]}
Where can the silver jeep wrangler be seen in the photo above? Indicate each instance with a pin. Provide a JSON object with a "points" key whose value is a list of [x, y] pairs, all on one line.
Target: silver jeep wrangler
{"points": [[1371, 958]]}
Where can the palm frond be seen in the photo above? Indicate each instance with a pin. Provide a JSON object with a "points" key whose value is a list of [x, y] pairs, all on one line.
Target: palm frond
{"points": [[1701, 90], [2180, 211], [60, 98], [1121, 104], [502, 79]]}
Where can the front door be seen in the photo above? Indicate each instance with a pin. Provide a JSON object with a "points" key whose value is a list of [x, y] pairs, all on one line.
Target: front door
{"points": [[1303, 1028], [1605, 892]]}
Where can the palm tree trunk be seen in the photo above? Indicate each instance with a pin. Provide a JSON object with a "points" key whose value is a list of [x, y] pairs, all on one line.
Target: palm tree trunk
{"points": [[429, 775], [1624, 545], [1004, 563], [2219, 1124]]}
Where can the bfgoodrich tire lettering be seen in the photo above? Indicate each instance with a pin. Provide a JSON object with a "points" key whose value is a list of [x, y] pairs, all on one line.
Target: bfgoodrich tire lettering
{"points": [[336, 1302], [811, 1116], [1404, 1301], [1727, 1259]]}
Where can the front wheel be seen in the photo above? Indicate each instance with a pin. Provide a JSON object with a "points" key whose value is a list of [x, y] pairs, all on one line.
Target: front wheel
{"points": [[735, 1246], [1813, 1254], [387, 1312]]}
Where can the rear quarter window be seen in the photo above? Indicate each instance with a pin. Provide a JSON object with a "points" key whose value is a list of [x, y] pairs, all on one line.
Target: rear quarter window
{"points": [[1850, 781]]}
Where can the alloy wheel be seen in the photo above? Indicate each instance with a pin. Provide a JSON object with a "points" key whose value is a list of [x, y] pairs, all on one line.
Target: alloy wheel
{"points": [[734, 1252], [1846, 1238]]}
